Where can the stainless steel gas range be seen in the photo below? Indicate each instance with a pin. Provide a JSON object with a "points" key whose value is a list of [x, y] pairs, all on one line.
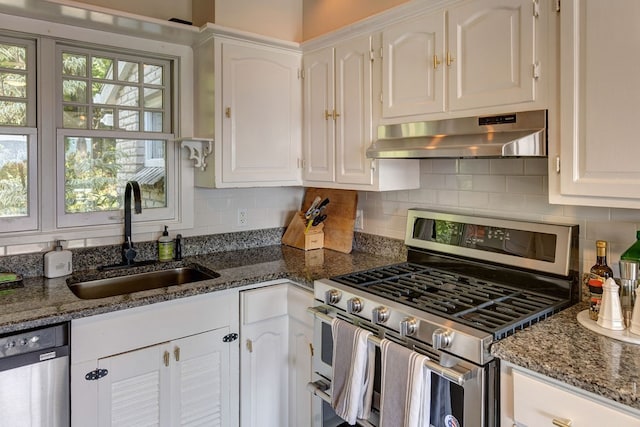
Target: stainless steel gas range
{"points": [[468, 282]]}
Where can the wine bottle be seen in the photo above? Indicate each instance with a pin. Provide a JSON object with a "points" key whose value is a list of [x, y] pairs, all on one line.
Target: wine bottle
{"points": [[598, 273]]}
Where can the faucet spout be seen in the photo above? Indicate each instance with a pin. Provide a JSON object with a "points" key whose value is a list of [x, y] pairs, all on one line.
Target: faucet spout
{"points": [[128, 250]]}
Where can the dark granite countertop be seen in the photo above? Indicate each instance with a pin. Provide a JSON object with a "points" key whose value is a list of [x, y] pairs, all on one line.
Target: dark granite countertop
{"points": [[560, 348], [42, 301]]}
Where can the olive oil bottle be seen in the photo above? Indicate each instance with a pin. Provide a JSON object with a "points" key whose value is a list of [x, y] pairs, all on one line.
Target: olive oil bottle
{"points": [[598, 273]]}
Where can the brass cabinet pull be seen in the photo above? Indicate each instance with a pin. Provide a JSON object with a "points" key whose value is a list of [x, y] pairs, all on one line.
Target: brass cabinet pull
{"points": [[227, 112], [166, 358], [450, 59], [331, 114], [249, 346], [436, 62], [176, 353], [311, 349], [560, 422]]}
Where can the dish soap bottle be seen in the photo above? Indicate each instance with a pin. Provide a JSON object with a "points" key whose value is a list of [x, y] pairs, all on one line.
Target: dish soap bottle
{"points": [[598, 273], [57, 262], [165, 246]]}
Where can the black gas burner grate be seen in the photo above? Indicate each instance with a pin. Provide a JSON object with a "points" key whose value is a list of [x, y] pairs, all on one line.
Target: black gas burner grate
{"points": [[485, 305]]}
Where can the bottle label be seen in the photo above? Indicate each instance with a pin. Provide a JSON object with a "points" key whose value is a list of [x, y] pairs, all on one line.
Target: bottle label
{"points": [[595, 285], [165, 251]]}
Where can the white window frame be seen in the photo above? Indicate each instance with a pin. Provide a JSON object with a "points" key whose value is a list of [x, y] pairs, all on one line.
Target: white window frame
{"points": [[31, 220], [181, 179]]}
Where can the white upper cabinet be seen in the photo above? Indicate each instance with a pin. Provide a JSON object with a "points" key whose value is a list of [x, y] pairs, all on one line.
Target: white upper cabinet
{"points": [[413, 74], [338, 122], [482, 53], [254, 113], [598, 151], [492, 53]]}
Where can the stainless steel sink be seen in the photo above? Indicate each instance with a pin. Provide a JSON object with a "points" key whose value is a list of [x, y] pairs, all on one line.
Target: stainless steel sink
{"points": [[122, 285]]}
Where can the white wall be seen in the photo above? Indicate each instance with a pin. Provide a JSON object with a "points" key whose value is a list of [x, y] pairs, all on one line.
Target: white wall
{"points": [[513, 188]]}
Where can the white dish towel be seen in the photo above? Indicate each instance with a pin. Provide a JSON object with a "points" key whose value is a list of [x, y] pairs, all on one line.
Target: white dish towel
{"points": [[353, 370], [405, 398]]}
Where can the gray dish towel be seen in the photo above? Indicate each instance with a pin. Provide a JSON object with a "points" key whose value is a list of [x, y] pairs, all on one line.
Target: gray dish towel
{"points": [[353, 369], [406, 387]]}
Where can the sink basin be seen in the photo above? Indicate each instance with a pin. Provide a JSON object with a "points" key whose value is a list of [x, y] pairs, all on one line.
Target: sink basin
{"points": [[122, 285]]}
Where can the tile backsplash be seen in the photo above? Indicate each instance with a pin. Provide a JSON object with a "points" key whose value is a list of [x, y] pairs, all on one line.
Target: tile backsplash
{"points": [[514, 188]]}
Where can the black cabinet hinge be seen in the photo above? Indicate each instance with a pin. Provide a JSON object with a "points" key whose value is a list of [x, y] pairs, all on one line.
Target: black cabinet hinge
{"points": [[96, 374], [230, 337]]}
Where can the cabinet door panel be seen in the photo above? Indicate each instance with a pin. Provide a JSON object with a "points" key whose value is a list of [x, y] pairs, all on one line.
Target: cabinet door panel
{"points": [[353, 103], [599, 101], [200, 376], [319, 127], [412, 82], [492, 45], [261, 98], [135, 390], [537, 403]]}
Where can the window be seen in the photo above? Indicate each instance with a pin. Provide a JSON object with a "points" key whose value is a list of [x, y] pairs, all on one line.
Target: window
{"points": [[18, 135], [115, 127]]}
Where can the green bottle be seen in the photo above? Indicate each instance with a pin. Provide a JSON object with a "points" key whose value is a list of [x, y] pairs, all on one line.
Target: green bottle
{"points": [[633, 253]]}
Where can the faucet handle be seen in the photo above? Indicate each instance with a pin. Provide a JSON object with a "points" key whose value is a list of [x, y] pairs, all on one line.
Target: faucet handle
{"points": [[128, 252]]}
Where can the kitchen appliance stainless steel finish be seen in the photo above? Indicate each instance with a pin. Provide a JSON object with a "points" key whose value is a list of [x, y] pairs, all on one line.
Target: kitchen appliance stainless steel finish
{"points": [[522, 134], [34, 374], [468, 282]]}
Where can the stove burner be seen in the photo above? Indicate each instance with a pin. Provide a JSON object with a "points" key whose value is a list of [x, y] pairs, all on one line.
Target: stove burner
{"points": [[485, 305]]}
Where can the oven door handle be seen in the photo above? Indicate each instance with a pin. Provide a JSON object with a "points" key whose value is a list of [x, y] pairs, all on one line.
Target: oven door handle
{"points": [[447, 373], [319, 388]]}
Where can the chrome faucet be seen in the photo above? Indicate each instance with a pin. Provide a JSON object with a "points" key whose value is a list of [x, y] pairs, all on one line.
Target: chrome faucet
{"points": [[128, 250]]}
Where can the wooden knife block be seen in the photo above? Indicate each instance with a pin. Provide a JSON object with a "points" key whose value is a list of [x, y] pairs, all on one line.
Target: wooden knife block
{"points": [[295, 235]]}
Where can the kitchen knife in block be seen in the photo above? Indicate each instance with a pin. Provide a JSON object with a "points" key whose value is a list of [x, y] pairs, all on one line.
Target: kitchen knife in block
{"points": [[341, 216], [295, 235]]}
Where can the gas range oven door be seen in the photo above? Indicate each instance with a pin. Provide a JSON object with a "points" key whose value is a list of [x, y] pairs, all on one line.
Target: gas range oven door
{"points": [[462, 394]]}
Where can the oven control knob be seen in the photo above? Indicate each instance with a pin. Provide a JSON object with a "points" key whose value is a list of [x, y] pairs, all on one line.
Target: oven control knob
{"points": [[380, 314], [408, 327], [354, 305], [332, 296], [441, 339]]}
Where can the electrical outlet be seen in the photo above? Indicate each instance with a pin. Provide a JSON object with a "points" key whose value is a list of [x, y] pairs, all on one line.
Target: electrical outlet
{"points": [[359, 224], [243, 217]]}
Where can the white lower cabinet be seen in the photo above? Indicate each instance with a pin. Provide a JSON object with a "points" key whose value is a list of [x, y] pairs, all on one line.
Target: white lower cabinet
{"points": [[275, 356], [532, 400], [166, 364]]}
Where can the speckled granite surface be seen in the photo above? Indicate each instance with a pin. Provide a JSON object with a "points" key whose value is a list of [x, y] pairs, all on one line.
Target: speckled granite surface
{"points": [[43, 301], [560, 348]]}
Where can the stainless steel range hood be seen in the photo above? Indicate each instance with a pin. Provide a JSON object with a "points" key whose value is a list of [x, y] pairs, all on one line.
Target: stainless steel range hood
{"points": [[521, 134]]}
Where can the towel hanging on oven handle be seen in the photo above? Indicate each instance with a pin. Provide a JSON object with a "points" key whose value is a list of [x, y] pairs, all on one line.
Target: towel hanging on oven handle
{"points": [[447, 373]]}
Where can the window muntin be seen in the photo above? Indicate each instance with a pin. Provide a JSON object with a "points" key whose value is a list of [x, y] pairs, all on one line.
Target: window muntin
{"points": [[102, 90], [18, 135], [116, 127]]}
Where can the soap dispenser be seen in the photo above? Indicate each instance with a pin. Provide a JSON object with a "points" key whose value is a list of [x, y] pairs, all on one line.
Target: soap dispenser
{"points": [[57, 262], [165, 246]]}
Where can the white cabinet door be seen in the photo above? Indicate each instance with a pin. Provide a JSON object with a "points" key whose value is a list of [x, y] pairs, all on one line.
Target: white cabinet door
{"points": [[319, 125], [263, 357], [275, 359], [201, 380], [540, 403], [353, 109], [300, 356], [181, 383], [492, 53], [135, 390], [261, 115], [413, 73], [598, 144]]}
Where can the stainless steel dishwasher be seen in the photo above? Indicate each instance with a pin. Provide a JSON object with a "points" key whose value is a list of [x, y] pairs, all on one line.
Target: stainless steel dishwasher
{"points": [[34, 378]]}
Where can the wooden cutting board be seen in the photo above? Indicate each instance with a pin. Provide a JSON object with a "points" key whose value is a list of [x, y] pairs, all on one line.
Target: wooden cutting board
{"points": [[341, 216]]}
